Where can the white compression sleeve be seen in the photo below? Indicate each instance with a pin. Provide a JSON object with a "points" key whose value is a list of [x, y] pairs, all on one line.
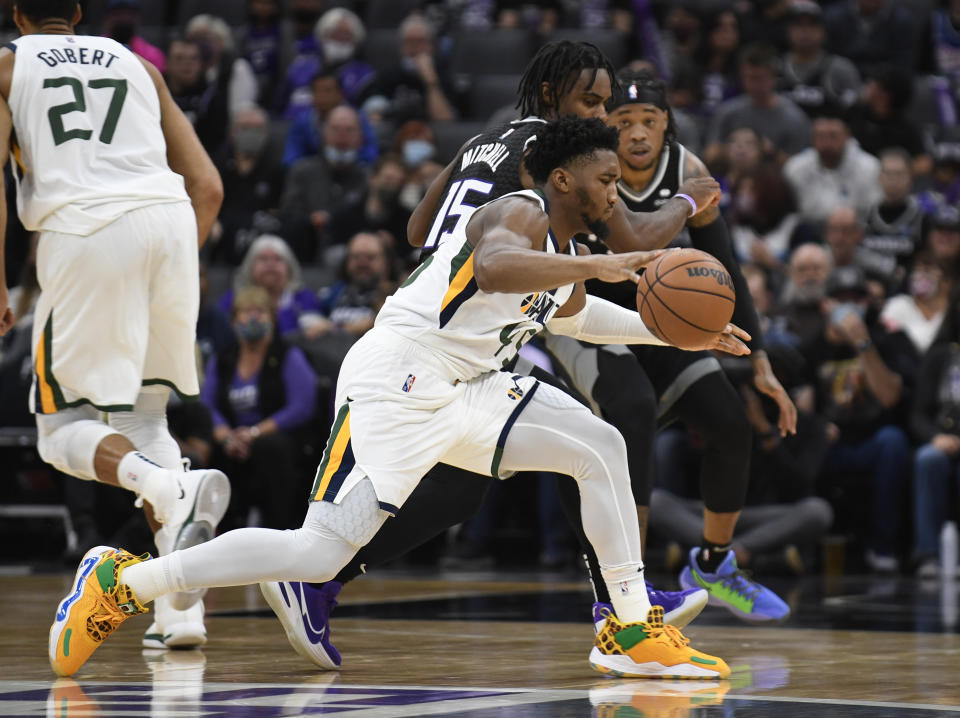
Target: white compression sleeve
{"points": [[603, 322]]}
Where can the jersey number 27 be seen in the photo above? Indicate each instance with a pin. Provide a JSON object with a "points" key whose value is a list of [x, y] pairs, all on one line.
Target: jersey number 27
{"points": [[56, 113]]}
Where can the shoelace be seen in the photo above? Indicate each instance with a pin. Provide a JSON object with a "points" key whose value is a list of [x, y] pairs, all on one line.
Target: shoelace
{"points": [[108, 612], [739, 581], [673, 634]]}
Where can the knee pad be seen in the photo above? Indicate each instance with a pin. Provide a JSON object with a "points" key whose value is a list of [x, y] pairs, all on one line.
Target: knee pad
{"points": [[355, 520], [146, 426], [68, 440]]}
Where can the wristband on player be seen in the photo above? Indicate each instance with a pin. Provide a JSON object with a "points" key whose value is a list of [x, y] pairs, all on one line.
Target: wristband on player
{"points": [[693, 205]]}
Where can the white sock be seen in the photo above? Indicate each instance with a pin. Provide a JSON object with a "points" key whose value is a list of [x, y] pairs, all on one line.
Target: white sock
{"points": [[150, 481], [628, 591], [149, 579]]}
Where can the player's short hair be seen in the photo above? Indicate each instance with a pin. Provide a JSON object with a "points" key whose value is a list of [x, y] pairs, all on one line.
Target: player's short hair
{"points": [[39, 10], [559, 64], [568, 139], [645, 88]]}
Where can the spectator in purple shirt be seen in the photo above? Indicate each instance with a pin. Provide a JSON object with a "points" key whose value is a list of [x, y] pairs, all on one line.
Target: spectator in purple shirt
{"points": [[270, 265], [260, 392]]}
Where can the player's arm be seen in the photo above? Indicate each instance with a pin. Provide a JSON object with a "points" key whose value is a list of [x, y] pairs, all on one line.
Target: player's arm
{"points": [[187, 157], [418, 226], [633, 231], [6, 128], [709, 232], [509, 236], [595, 320]]}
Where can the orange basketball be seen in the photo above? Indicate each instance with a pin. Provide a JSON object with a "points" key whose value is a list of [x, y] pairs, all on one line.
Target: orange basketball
{"points": [[685, 296]]}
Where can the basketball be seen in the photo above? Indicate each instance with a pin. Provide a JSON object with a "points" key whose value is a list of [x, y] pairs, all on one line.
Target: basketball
{"points": [[685, 296]]}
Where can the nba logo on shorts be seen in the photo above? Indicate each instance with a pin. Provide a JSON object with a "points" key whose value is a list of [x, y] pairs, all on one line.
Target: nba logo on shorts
{"points": [[624, 588], [408, 384]]}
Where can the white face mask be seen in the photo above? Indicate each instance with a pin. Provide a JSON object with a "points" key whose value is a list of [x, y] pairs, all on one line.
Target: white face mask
{"points": [[335, 51]]}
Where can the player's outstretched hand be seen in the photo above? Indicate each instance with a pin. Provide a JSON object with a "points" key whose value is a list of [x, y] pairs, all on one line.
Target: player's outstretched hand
{"points": [[704, 190], [730, 340], [621, 267], [766, 381]]}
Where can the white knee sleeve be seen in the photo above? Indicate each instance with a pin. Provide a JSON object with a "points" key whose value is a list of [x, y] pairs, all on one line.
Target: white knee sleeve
{"points": [[146, 426], [68, 440]]}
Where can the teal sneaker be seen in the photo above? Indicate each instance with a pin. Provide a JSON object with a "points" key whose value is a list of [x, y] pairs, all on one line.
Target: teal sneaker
{"points": [[734, 590]]}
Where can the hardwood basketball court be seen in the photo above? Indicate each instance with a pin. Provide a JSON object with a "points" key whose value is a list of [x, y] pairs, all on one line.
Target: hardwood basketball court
{"points": [[496, 645]]}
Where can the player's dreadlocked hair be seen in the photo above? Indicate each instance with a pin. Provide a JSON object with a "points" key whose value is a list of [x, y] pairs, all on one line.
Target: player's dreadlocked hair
{"points": [[559, 64], [39, 10], [565, 140], [643, 87]]}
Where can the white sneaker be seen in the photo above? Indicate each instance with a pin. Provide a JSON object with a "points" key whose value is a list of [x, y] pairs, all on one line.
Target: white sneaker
{"points": [[175, 629], [192, 518]]}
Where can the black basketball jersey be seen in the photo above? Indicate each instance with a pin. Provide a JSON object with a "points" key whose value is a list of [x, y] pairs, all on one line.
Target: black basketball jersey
{"points": [[665, 183], [487, 169]]}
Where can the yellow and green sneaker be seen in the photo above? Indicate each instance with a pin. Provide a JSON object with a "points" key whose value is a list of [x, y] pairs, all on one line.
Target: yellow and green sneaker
{"points": [[96, 605], [649, 649]]}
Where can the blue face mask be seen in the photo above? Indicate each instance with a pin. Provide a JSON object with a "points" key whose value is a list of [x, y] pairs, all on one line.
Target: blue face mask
{"points": [[253, 330], [842, 310], [416, 152], [339, 158]]}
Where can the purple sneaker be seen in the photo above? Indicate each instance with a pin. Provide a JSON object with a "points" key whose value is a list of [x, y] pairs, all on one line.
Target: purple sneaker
{"points": [[304, 612], [679, 607]]}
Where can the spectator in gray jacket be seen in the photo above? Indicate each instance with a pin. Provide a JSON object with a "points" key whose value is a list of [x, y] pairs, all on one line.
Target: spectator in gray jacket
{"points": [[834, 172]]}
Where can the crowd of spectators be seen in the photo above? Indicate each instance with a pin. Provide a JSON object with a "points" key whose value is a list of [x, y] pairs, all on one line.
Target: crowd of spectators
{"points": [[831, 125]]}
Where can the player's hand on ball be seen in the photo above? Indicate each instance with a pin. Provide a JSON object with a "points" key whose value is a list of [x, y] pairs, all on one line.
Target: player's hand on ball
{"points": [[730, 340], [704, 190], [621, 267]]}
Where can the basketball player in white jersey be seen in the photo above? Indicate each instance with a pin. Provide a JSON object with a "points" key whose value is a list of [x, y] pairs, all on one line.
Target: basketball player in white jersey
{"points": [[106, 168], [423, 387]]}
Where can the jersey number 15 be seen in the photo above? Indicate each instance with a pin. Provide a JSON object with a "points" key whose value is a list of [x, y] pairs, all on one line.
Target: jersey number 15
{"points": [[455, 205], [79, 104]]}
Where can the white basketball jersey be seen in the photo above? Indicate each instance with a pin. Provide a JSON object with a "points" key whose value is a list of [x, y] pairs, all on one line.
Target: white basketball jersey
{"points": [[441, 306], [87, 139]]}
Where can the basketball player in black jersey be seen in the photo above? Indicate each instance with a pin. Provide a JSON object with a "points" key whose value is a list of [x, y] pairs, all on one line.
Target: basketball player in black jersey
{"points": [[565, 78], [674, 385]]}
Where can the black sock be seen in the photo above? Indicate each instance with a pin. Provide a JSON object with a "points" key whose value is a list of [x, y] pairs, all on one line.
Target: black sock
{"points": [[711, 555]]}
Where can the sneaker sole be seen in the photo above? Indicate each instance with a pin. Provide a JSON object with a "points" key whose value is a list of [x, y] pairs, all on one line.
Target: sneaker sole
{"points": [[692, 606], [209, 506], [87, 565], [289, 618], [625, 667], [687, 581], [181, 635]]}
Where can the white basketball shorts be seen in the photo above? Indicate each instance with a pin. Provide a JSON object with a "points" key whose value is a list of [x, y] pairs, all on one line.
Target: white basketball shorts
{"points": [[118, 310]]}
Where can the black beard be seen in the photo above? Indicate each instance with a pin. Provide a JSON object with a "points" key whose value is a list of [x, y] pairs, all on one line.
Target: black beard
{"points": [[597, 227]]}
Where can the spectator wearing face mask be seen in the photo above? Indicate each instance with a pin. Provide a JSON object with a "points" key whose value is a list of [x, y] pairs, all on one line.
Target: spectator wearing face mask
{"points": [[260, 392], [121, 21], [252, 180], [317, 185], [919, 312], [338, 36], [305, 136]]}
